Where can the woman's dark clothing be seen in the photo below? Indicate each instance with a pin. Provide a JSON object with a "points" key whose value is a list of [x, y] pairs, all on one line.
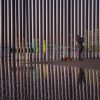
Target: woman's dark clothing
{"points": [[81, 47]]}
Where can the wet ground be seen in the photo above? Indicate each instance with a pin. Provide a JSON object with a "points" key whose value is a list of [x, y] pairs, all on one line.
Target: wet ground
{"points": [[22, 79]]}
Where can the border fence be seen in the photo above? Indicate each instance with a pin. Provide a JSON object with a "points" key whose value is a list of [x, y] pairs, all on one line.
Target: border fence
{"points": [[34, 25], [54, 23]]}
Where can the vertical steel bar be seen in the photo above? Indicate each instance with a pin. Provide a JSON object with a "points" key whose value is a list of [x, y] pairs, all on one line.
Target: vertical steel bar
{"points": [[73, 86], [26, 47], [94, 85], [62, 87], [68, 84], [29, 32], [27, 82], [36, 26], [22, 42], [30, 47], [90, 81], [81, 18], [55, 82], [77, 23], [74, 29], [67, 25], [95, 28], [5, 48], [71, 34], [15, 30], [11, 27], [21, 97], [1, 29], [83, 91], [37, 80], [22, 28], [34, 81], [12, 43], [24, 80], [51, 75], [77, 17], [40, 30], [19, 25], [53, 29], [99, 28], [65, 83], [63, 29], [16, 40], [88, 28], [57, 30], [83, 87], [32, 18], [4, 29], [60, 30], [87, 84], [30, 79], [8, 36], [58, 83], [0, 24], [47, 30], [1, 82], [26, 32], [31, 83], [98, 91], [76, 85], [27, 43], [43, 26], [23, 33], [27, 54], [79, 85], [41, 81], [48, 82], [44, 81], [85, 28], [92, 24], [50, 27], [80, 92]]}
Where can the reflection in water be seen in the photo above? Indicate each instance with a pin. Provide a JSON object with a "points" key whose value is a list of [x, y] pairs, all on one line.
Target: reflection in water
{"points": [[21, 81]]}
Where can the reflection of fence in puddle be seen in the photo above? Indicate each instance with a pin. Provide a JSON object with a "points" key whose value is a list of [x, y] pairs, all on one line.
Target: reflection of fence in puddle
{"points": [[46, 82]]}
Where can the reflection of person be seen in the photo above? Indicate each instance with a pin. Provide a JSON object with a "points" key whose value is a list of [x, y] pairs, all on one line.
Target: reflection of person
{"points": [[80, 41], [81, 76]]}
